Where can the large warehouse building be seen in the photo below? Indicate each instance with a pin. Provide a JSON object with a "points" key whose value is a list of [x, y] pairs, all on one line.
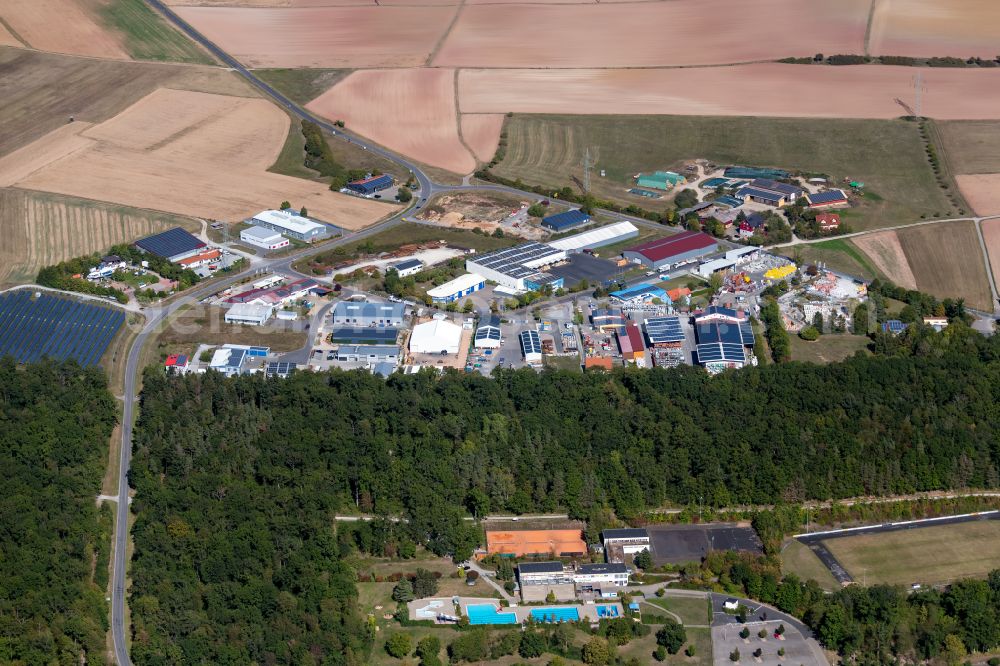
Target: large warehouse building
{"points": [[595, 238], [518, 268], [363, 315], [436, 337], [664, 252], [565, 220], [291, 224], [173, 244]]}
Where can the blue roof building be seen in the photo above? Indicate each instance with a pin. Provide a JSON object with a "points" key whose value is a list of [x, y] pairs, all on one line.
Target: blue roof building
{"points": [[642, 292], [565, 220], [370, 185], [173, 244], [894, 326]]}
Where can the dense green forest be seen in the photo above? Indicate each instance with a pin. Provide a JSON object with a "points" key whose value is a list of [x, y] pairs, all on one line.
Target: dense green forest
{"points": [[55, 423], [237, 480]]}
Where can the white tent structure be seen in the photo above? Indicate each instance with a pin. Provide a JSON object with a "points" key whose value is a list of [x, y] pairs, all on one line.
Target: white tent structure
{"points": [[435, 337]]}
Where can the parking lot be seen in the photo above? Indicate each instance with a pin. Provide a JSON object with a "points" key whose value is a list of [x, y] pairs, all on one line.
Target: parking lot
{"points": [[726, 638]]}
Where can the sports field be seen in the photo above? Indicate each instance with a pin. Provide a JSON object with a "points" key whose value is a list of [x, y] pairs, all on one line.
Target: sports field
{"points": [[41, 229], [798, 559], [928, 555], [887, 155]]}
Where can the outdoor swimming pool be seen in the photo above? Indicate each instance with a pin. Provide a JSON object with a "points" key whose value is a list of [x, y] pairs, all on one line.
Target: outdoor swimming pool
{"points": [[555, 614], [607, 611], [487, 614]]}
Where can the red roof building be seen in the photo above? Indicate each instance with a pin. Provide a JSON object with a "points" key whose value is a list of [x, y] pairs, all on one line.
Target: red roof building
{"points": [[828, 221], [630, 342], [176, 362], [672, 249], [199, 259]]}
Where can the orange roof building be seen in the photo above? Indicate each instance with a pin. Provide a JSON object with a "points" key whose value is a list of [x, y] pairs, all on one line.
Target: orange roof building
{"points": [[521, 543], [678, 293], [199, 259]]}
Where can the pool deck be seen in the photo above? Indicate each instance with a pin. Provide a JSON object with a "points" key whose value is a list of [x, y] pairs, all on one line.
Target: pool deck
{"points": [[444, 605]]}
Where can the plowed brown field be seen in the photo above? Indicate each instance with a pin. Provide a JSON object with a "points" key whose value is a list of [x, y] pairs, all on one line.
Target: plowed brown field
{"points": [[684, 32], [960, 28], [411, 111], [189, 153], [61, 26], [323, 36], [481, 132], [982, 191]]}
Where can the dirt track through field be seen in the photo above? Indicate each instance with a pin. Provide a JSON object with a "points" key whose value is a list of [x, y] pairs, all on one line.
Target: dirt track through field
{"points": [[189, 153], [887, 254]]}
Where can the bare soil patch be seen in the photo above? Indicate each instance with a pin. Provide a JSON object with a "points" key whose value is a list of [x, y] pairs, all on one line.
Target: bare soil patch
{"points": [[481, 132], [368, 36], [475, 210], [793, 91], [960, 28], [683, 32], [411, 111], [194, 154], [62, 26], [982, 191], [991, 236], [887, 254]]}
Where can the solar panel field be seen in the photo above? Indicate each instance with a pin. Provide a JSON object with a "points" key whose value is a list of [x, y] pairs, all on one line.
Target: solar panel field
{"points": [[49, 326]]}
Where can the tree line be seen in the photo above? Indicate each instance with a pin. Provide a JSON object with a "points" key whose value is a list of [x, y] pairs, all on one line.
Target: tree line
{"points": [[56, 420]]}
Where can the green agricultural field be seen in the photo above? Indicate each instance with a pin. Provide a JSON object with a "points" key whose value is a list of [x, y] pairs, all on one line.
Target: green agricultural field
{"points": [[928, 555], [828, 348], [888, 155], [798, 559], [148, 36], [302, 85]]}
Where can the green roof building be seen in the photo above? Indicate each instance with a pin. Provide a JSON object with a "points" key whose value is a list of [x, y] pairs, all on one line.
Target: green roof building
{"points": [[660, 180]]}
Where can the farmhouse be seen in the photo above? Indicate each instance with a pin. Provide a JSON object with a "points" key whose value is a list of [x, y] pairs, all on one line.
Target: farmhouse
{"points": [[659, 180], [370, 185], [623, 544], [173, 244], [753, 223], [828, 221], [291, 224], [488, 334], [263, 238], [675, 249], [595, 238], [565, 220], [531, 347], [455, 289], [827, 199], [436, 337], [365, 315], [407, 267], [248, 313], [176, 363], [518, 268], [769, 192]]}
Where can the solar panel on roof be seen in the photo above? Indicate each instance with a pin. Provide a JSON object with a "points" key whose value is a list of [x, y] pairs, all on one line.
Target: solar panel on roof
{"points": [[717, 352], [530, 342], [170, 243], [827, 197], [664, 330]]}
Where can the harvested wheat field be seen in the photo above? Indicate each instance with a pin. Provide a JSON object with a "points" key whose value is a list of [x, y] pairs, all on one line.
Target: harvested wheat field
{"points": [[960, 28], [982, 191], [41, 91], [649, 34], [62, 26], [947, 261], [193, 154], [991, 235], [323, 36], [887, 254], [7, 38], [411, 111], [971, 146], [41, 229], [792, 91], [481, 132]]}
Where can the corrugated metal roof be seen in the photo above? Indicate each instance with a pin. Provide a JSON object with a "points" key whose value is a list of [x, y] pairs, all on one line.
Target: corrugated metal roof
{"points": [[595, 236], [672, 246], [565, 219]]}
